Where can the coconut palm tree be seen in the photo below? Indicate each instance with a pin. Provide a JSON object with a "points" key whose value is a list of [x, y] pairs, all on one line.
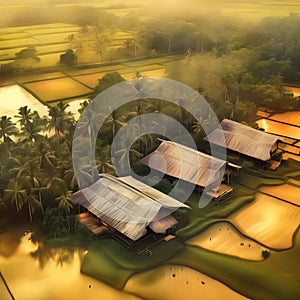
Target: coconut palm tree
{"points": [[16, 193], [24, 115], [7, 129], [65, 203], [104, 164], [60, 120], [31, 131]]}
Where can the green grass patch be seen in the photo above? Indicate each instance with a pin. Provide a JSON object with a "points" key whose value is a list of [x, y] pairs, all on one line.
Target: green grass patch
{"points": [[99, 266], [102, 69], [255, 182], [285, 170], [112, 263], [196, 226]]}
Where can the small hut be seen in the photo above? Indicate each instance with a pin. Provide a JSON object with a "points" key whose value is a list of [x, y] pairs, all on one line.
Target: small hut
{"points": [[190, 165], [128, 207], [245, 140]]}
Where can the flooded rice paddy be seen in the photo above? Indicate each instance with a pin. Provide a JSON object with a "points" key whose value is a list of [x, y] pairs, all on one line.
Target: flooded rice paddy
{"points": [[269, 221], [224, 238]]}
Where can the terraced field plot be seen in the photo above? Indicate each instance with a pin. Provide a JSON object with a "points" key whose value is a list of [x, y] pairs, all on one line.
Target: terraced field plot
{"points": [[292, 117], [178, 282], [274, 127], [44, 76], [55, 89], [268, 220], [224, 238], [286, 192]]}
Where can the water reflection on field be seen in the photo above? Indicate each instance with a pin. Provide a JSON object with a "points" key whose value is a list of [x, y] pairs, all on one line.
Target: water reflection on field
{"points": [[274, 127], [13, 97], [35, 271]]}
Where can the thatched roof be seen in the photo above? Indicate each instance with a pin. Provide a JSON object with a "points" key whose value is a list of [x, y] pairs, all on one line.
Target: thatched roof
{"points": [[124, 203], [188, 164], [244, 139]]}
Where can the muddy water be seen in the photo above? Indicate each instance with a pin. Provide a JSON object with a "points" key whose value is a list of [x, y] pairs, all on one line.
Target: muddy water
{"points": [[177, 283], [268, 220], [224, 238], [35, 272]]}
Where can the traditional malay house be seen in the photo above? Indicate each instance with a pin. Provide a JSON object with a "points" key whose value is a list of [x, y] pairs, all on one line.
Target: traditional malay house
{"points": [[130, 210], [182, 162], [248, 142]]}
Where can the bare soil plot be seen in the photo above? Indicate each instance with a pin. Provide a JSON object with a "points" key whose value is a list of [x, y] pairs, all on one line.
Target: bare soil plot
{"points": [[50, 90], [285, 191], [224, 238], [268, 220], [177, 283]]}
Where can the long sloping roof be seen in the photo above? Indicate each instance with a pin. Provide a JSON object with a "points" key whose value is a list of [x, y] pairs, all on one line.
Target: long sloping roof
{"points": [[188, 164], [120, 203], [244, 139]]}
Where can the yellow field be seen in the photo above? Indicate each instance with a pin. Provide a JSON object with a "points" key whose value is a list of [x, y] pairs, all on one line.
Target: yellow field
{"points": [[50, 90], [224, 238], [177, 283], [44, 76], [279, 128], [286, 192], [288, 117], [90, 79], [270, 221]]}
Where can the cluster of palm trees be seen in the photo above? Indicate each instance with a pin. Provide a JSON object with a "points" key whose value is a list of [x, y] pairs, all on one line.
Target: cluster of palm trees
{"points": [[35, 163]]}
